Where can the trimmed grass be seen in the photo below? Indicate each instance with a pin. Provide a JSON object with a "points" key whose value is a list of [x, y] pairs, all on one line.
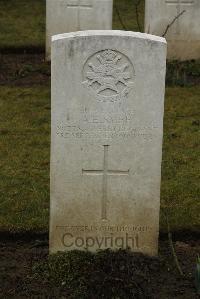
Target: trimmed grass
{"points": [[181, 161], [25, 144], [22, 22], [125, 9]]}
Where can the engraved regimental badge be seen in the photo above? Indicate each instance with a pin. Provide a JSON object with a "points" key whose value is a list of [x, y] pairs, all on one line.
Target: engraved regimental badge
{"points": [[109, 75]]}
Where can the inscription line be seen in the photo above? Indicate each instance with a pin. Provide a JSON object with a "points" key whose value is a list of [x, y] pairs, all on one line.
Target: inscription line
{"points": [[109, 172], [175, 2], [79, 6]]}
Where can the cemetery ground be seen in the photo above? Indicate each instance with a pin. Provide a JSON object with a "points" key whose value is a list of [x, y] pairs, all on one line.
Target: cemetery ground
{"points": [[24, 214], [26, 270]]}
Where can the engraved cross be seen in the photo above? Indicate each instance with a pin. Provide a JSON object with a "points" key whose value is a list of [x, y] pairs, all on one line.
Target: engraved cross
{"points": [[79, 5], [105, 172]]}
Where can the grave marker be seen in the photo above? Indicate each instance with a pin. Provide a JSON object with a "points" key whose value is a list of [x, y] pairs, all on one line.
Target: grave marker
{"points": [[106, 145], [183, 34], [74, 15]]}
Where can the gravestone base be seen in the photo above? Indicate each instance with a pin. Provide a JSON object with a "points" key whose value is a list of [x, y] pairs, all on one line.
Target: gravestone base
{"points": [[103, 235]]}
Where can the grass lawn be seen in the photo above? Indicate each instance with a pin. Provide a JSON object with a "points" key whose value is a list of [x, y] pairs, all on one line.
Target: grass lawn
{"points": [[24, 147], [22, 22], [25, 144], [180, 187], [125, 10]]}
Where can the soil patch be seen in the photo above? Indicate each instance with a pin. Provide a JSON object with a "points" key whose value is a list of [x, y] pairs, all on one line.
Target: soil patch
{"points": [[29, 68], [24, 70], [97, 276]]}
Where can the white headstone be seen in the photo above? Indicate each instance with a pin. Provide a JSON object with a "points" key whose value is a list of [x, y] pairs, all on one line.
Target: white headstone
{"points": [[73, 15], [106, 144], [183, 34]]}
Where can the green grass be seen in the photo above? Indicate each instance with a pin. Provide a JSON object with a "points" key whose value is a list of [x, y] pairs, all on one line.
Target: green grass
{"points": [[181, 161], [22, 22], [25, 143], [125, 9]]}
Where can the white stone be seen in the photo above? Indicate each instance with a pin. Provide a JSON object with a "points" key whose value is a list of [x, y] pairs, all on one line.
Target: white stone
{"points": [[106, 143], [74, 15], [183, 37]]}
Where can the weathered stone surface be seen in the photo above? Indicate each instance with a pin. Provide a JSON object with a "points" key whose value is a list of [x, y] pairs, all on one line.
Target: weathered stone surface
{"points": [[183, 36], [106, 144], [73, 15]]}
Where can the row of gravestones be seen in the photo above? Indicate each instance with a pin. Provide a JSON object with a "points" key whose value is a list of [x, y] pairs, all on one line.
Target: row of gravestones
{"points": [[107, 127], [178, 20]]}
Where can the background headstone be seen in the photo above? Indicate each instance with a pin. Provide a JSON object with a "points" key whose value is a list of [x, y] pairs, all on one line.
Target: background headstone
{"points": [[106, 144], [183, 36], [74, 15]]}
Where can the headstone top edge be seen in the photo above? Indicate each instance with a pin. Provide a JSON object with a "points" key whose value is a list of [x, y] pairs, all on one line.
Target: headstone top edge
{"points": [[102, 33]]}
